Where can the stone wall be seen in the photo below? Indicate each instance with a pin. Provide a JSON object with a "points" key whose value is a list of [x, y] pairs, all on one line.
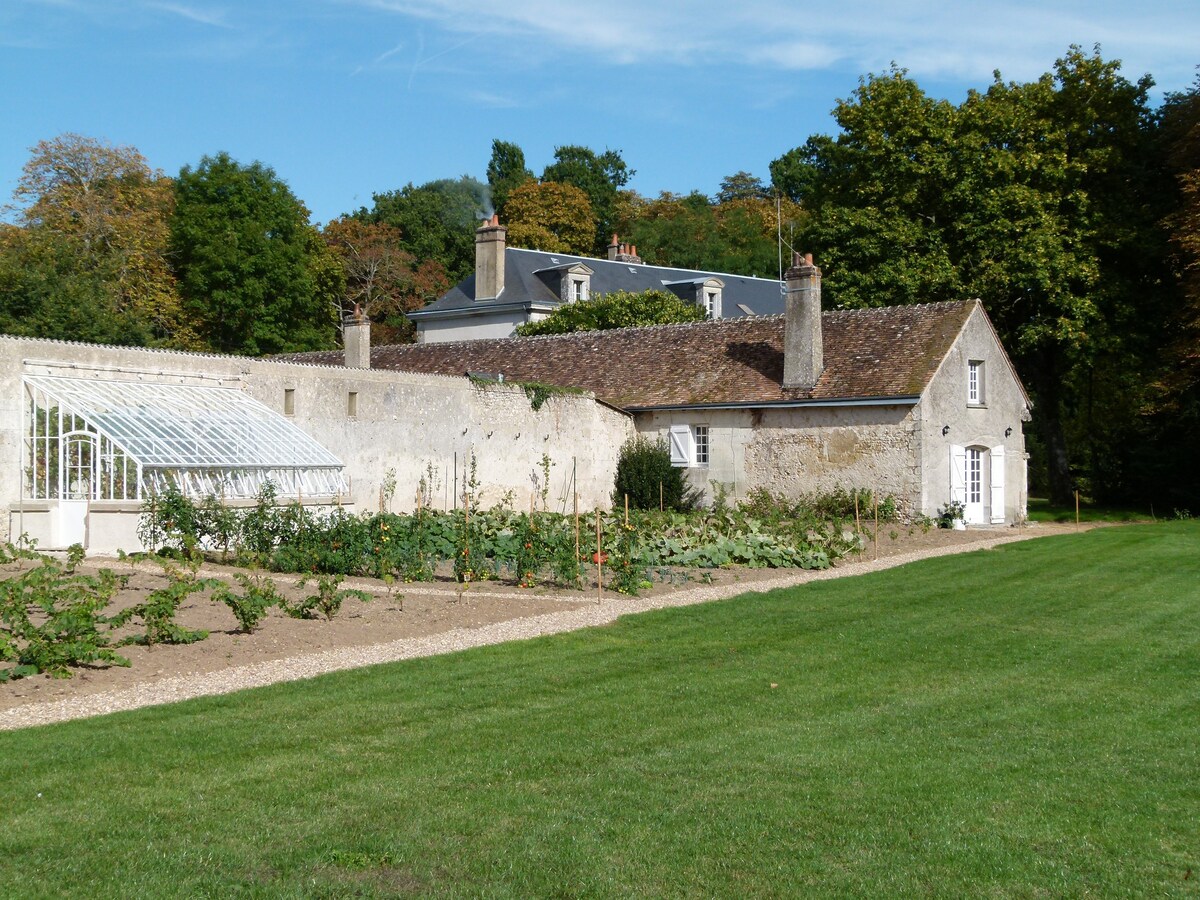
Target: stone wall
{"points": [[1003, 408], [802, 450], [398, 425]]}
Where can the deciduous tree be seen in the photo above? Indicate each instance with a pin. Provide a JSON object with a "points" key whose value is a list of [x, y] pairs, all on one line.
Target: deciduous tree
{"points": [[600, 176], [93, 227], [252, 271], [506, 172], [553, 217]]}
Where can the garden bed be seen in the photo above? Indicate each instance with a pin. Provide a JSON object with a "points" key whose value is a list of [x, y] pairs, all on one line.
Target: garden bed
{"points": [[396, 612]]}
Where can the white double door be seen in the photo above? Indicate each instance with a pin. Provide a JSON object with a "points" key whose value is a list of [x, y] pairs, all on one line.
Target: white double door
{"points": [[977, 482]]}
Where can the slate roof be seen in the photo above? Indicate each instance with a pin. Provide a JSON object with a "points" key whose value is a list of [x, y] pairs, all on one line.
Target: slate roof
{"points": [[522, 285], [872, 354]]}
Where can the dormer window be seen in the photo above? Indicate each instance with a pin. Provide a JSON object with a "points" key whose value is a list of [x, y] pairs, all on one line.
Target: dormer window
{"points": [[572, 282], [704, 292], [710, 297]]}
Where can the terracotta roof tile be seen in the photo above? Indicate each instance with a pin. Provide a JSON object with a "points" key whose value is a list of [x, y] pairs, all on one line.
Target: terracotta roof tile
{"points": [[872, 353]]}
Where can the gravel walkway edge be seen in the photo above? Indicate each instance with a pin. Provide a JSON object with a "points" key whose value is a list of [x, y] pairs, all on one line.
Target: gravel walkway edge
{"points": [[184, 687]]}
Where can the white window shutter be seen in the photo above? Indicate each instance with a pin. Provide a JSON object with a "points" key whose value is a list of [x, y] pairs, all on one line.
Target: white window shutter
{"points": [[680, 437], [998, 485], [958, 473]]}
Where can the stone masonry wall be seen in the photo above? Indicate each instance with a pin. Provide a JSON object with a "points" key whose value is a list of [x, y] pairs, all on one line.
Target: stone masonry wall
{"points": [[399, 424], [802, 450]]}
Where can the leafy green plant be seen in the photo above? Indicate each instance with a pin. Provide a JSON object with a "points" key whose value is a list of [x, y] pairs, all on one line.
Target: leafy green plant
{"points": [[627, 562], [69, 628], [327, 600], [160, 607], [954, 511], [250, 606], [169, 520]]}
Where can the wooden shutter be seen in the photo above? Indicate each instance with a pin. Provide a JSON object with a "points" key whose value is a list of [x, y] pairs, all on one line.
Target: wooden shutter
{"points": [[997, 485], [958, 473], [680, 437]]}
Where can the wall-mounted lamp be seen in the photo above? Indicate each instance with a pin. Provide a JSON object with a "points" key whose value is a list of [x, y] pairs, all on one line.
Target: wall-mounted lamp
{"points": [[1008, 432], [945, 430]]}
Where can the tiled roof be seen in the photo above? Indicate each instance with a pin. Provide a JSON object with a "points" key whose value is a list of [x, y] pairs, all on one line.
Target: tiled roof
{"points": [[523, 285], [891, 352]]}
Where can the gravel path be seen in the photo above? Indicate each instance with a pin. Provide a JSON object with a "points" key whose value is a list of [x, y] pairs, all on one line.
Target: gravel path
{"points": [[238, 678]]}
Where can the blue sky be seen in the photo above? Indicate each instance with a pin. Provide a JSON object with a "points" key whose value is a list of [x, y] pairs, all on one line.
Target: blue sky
{"points": [[344, 98]]}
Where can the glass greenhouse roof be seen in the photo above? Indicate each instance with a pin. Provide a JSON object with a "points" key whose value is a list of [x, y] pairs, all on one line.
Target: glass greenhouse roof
{"points": [[183, 426]]}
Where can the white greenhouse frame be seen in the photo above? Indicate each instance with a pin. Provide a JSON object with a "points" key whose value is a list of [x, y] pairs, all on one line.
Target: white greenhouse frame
{"points": [[94, 439]]}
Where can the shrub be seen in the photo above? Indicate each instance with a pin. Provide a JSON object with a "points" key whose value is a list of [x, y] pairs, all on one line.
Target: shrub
{"points": [[158, 610], [643, 467], [67, 631], [251, 606]]}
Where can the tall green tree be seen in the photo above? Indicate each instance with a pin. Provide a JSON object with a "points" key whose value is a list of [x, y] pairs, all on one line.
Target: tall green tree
{"points": [[740, 235], [87, 260], [1036, 197], [437, 221], [506, 172], [600, 176], [253, 273]]}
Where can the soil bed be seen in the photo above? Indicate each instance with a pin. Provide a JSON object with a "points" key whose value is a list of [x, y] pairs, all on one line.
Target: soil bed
{"points": [[424, 618]]}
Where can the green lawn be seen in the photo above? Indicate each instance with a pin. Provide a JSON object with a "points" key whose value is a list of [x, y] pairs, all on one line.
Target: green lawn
{"points": [[1042, 510], [1016, 722]]}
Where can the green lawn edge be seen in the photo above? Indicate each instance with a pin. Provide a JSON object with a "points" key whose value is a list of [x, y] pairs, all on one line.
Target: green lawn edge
{"points": [[1012, 722]]}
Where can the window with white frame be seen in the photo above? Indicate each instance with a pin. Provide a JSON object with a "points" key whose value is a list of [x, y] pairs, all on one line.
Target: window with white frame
{"points": [[975, 382], [579, 289], [688, 445], [700, 436]]}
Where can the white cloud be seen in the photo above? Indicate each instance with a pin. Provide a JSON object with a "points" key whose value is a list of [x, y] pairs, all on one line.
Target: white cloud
{"points": [[949, 39], [201, 16]]}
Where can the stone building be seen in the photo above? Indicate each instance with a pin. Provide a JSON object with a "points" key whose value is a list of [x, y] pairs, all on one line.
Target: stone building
{"points": [[512, 287], [88, 433], [920, 402]]}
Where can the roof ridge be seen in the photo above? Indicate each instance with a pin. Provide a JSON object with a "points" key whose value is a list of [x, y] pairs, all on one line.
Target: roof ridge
{"points": [[643, 265]]}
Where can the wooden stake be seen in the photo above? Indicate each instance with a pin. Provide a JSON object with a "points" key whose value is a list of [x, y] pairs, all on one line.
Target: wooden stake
{"points": [[599, 561], [876, 498], [577, 526], [1076, 510], [857, 520], [626, 510], [660, 497]]}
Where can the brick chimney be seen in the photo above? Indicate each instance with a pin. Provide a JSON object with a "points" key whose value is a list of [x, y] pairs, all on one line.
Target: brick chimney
{"points": [[803, 348], [489, 259], [356, 339], [626, 253]]}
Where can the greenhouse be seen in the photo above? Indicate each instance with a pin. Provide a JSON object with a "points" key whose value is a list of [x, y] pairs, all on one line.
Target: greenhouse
{"points": [[93, 439]]}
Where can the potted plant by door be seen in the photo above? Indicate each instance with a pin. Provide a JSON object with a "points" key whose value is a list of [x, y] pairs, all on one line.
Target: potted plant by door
{"points": [[953, 515]]}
